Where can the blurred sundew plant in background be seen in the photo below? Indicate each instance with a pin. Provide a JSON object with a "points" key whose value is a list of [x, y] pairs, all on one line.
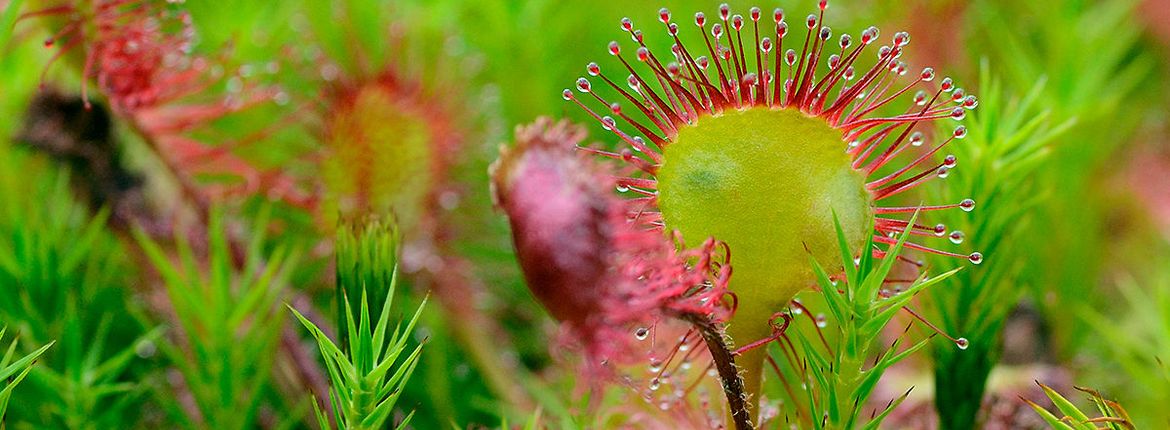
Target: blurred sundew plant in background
{"points": [[175, 176]]}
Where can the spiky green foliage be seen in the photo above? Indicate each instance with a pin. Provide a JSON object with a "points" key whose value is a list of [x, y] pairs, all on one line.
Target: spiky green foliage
{"points": [[369, 371], [14, 369], [1137, 341], [227, 322], [66, 276], [842, 369], [1113, 416], [367, 262], [1085, 52], [1009, 141]]}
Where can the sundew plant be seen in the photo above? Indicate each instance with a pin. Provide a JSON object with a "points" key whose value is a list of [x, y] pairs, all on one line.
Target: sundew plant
{"points": [[428, 214]]}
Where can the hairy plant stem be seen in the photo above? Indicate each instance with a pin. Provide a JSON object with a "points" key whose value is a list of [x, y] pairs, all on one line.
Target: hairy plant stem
{"points": [[724, 359]]}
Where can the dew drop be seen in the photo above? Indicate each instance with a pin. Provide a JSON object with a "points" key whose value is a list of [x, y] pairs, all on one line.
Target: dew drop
{"points": [[958, 95], [754, 12], [901, 38], [583, 85], [614, 48], [664, 406], [976, 258], [927, 74], [811, 21], [962, 343], [960, 132], [711, 372], [916, 138], [956, 237], [700, 19], [950, 161], [940, 230], [664, 15], [724, 11], [967, 205], [641, 333], [920, 98], [608, 123], [943, 172], [655, 384], [281, 98], [593, 69], [778, 15], [616, 108], [947, 85], [566, 94], [846, 40], [958, 114], [822, 321], [627, 25]]}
